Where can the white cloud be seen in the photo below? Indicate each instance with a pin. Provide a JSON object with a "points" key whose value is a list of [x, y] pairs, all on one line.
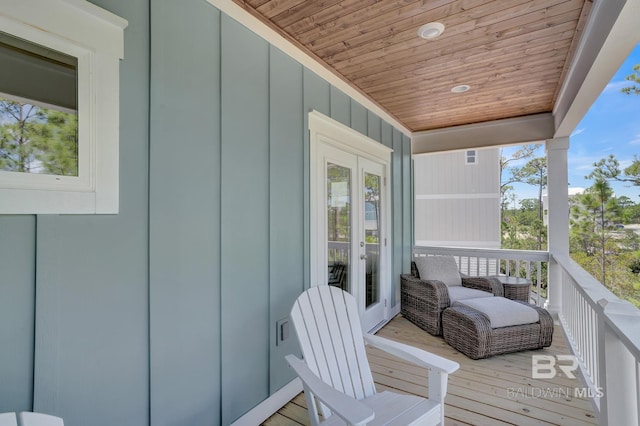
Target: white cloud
{"points": [[576, 132], [582, 162], [625, 163], [575, 190], [615, 86], [635, 140]]}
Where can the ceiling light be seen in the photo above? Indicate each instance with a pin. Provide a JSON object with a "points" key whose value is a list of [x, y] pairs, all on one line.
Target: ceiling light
{"points": [[461, 88], [431, 30]]}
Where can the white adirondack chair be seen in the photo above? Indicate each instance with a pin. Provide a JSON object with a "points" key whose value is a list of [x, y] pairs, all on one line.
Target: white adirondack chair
{"points": [[336, 372], [38, 419], [8, 419]]}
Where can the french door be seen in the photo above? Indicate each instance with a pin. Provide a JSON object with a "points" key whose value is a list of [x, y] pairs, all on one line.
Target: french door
{"points": [[350, 222]]}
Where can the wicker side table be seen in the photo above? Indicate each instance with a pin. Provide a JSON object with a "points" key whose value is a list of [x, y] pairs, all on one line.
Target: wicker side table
{"points": [[515, 288]]}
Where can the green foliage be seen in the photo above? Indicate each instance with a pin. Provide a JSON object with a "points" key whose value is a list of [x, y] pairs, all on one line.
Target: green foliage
{"points": [[635, 78], [598, 240], [623, 281], [594, 217], [609, 169], [524, 229], [634, 265], [37, 140], [526, 151]]}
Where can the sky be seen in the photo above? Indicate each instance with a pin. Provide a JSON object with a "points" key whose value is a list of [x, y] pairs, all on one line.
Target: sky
{"points": [[612, 126]]}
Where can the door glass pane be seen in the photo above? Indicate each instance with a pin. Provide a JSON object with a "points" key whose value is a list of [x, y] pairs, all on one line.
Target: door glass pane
{"points": [[339, 225], [372, 239]]}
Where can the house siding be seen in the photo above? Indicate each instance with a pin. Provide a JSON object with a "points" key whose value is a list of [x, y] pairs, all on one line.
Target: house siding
{"points": [[287, 225], [17, 307], [91, 343], [457, 203], [165, 314], [185, 214]]}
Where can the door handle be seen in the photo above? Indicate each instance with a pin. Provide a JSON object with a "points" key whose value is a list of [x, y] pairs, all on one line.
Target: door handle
{"points": [[363, 256]]}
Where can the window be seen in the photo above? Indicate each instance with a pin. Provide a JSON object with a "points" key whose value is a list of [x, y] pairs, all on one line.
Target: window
{"points": [[471, 157], [38, 109], [59, 108]]}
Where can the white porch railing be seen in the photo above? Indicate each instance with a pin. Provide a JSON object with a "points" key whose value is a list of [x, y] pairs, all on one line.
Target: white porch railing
{"points": [[483, 262], [603, 331], [339, 251]]}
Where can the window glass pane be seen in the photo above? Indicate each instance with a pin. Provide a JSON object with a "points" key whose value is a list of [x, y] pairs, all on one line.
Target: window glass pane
{"points": [[38, 109], [372, 237], [37, 140], [339, 225]]}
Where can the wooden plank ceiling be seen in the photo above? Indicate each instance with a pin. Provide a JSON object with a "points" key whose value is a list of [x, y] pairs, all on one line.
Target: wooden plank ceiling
{"points": [[513, 53]]}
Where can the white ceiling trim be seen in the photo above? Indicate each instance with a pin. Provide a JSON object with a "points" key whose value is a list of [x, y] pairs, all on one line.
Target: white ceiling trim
{"points": [[509, 131]]}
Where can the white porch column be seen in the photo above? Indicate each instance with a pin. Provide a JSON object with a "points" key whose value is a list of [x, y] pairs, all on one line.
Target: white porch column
{"points": [[558, 216]]}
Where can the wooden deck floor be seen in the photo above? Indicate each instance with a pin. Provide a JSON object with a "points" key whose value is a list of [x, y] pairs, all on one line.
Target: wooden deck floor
{"points": [[494, 391]]}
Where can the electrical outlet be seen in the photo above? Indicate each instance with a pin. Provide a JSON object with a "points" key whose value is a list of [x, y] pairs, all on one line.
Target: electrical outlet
{"points": [[282, 330]]}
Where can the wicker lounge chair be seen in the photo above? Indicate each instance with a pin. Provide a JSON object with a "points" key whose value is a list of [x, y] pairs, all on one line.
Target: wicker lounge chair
{"points": [[423, 300]]}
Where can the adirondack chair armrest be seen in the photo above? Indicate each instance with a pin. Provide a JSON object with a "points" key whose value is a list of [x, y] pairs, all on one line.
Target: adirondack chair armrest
{"points": [[412, 354], [342, 405]]}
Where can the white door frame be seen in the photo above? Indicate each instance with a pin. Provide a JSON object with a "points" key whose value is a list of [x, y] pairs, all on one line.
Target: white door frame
{"points": [[323, 129]]}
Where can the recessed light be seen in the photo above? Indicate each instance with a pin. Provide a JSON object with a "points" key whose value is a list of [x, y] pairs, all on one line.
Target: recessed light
{"points": [[461, 88], [431, 30]]}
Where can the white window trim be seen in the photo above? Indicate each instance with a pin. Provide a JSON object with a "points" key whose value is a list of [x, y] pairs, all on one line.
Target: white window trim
{"points": [[96, 38]]}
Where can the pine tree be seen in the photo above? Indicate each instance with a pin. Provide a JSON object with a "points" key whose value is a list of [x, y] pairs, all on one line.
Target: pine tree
{"points": [[37, 140], [593, 219], [635, 78]]}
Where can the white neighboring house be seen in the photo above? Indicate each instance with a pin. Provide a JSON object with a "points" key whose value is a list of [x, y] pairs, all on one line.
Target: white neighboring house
{"points": [[457, 198]]}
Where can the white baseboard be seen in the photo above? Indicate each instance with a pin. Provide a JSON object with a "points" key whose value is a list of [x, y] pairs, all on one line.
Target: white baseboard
{"points": [[269, 406]]}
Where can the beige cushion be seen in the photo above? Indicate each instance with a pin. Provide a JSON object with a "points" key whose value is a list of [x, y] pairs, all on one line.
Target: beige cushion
{"points": [[462, 293], [441, 268], [502, 312]]}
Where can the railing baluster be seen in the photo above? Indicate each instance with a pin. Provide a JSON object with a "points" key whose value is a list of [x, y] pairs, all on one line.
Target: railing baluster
{"points": [[539, 283], [484, 262]]}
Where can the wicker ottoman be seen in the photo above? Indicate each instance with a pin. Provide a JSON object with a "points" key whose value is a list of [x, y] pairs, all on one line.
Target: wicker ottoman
{"points": [[470, 331]]}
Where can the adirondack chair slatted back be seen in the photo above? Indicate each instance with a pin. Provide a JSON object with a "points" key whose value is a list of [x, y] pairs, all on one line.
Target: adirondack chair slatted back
{"points": [[326, 321], [29, 419], [39, 419], [8, 419]]}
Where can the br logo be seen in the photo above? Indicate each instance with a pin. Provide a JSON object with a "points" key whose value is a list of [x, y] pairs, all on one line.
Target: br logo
{"points": [[547, 366]]}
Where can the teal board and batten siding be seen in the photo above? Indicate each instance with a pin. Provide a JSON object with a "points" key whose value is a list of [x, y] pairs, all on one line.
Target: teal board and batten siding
{"points": [[185, 214], [165, 314], [74, 289], [17, 307]]}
